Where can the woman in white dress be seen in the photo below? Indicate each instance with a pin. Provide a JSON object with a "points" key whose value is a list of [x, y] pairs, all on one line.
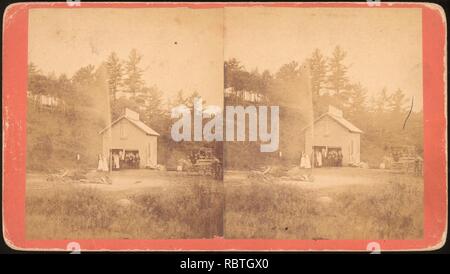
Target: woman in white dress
{"points": [[303, 161], [100, 163], [307, 161]]}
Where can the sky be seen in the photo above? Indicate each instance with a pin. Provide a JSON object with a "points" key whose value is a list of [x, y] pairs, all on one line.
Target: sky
{"points": [[185, 48], [384, 46], [182, 48]]}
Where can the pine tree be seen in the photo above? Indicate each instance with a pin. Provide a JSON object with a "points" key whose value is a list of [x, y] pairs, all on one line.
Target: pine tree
{"points": [[133, 82], [266, 82], [318, 70], [114, 69], [357, 104], [381, 115], [153, 103], [84, 76], [397, 102], [337, 79], [83, 80], [231, 69], [37, 83], [381, 102]]}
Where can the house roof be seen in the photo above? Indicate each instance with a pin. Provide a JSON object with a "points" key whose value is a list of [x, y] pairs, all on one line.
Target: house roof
{"points": [[341, 120], [138, 123]]}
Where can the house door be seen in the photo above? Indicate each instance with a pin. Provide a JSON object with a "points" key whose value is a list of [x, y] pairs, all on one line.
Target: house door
{"points": [[131, 159], [334, 156]]}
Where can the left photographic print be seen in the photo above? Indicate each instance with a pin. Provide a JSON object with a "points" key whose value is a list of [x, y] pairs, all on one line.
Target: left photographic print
{"points": [[100, 159]]}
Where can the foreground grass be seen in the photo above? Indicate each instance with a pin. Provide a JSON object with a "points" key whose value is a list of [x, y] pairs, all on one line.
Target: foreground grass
{"points": [[191, 210], [381, 211], [195, 209]]}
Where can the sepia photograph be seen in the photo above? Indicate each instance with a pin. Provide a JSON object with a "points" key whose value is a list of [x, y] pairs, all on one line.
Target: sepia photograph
{"points": [[101, 160], [348, 83], [225, 123]]}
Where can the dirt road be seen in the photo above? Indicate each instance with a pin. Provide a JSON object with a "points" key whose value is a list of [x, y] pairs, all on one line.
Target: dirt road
{"points": [[122, 181], [325, 178]]}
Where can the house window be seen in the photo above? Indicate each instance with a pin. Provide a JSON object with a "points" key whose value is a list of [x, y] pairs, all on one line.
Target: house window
{"points": [[327, 128], [123, 131]]}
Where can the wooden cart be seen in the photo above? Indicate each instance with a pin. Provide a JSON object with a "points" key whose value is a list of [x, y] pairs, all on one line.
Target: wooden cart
{"points": [[406, 160]]}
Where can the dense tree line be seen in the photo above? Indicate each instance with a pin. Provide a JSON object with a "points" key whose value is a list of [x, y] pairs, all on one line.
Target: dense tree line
{"points": [[96, 95], [87, 102], [322, 81]]}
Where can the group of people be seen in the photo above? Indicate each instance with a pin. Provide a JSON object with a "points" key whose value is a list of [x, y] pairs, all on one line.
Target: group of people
{"points": [[334, 158], [131, 160], [322, 157], [325, 157], [119, 160], [102, 163], [305, 161]]}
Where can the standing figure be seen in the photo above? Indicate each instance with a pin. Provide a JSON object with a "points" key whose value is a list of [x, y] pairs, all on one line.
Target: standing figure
{"points": [[331, 159], [339, 158], [325, 157], [307, 161], [104, 164], [131, 161], [335, 158], [319, 158], [100, 163], [303, 161], [138, 160], [121, 156], [116, 161]]}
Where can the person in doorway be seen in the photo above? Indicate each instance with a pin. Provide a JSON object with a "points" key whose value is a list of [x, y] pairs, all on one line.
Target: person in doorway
{"points": [[319, 158], [324, 157], [315, 163], [331, 159], [130, 160], [116, 161], [121, 156]]}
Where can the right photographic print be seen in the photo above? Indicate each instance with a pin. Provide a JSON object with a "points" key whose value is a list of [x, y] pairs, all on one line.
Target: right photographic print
{"points": [[347, 87]]}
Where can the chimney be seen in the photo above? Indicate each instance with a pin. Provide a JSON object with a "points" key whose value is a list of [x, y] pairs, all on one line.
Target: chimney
{"points": [[131, 114], [335, 111]]}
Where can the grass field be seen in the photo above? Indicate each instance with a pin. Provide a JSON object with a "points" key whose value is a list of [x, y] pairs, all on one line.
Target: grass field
{"points": [[186, 207], [341, 203]]}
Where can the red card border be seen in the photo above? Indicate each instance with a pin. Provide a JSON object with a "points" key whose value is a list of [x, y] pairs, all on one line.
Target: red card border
{"points": [[15, 60]]}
